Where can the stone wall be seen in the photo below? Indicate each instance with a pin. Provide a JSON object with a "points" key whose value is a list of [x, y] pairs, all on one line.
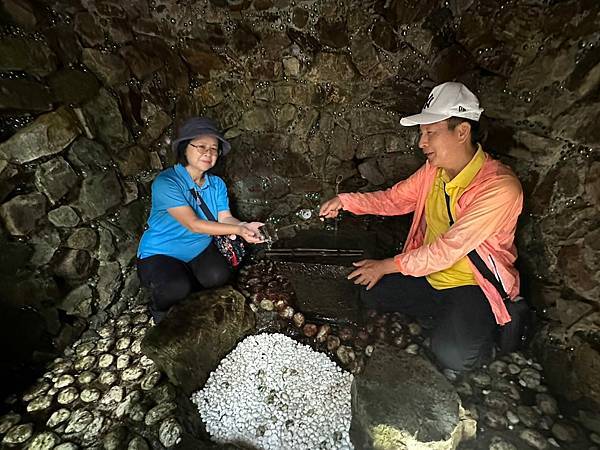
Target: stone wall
{"points": [[309, 93]]}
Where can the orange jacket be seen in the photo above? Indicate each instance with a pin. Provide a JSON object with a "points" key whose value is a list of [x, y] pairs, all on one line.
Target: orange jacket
{"points": [[486, 220]]}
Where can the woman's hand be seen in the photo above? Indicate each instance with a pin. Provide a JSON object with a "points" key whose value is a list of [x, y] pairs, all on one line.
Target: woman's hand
{"points": [[330, 208], [370, 271], [250, 232]]}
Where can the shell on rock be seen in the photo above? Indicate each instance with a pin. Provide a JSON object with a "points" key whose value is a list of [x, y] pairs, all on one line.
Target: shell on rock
{"points": [[89, 395], [309, 330], [113, 395], [7, 421], [414, 329], [79, 421], [62, 367], [369, 350], [146, 362], [66, 446], [93, 429], [123, 361], [346, 333], [412, 349], [333, 342], [123, 320], [132, 373], [85, 348], [345, 354], [126, 405], [159, 412], [169, 432], [123, 343], [401, 341], [68, 395], [323, 332], [86, 377], [106, 331], [287, 312], [105, 360], [59, 416], [267, 304], [85, 363], [40, 403], [43, 441], [141, 318], [298, 319], [138, 443], [18, 434], [36, 390], [108, 378], [64, 381], [136, 346], [150, 380], [104, 345]]}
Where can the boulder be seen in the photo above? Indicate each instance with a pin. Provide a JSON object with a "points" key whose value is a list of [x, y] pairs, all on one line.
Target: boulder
{"points": [[109, 67], [27, 55], [88, 156], [78, 302], [63, 216], [24, 95], [403, 401], [73, 86], [21, 214], [47, 135], [196, 334], [73, 264], [99, 193], [104, 116], [55, 178], [332, 67]]}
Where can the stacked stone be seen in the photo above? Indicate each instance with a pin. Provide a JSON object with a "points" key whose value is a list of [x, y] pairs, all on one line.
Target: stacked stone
{"points": [[272, 392], [102, 393], [514, 408]]}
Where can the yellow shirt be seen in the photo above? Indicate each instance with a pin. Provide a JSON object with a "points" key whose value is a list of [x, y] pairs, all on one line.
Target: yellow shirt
{"points": [[436, 216]]}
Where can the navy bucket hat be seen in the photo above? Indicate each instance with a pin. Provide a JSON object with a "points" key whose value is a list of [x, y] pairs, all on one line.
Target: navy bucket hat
{"points": [[198, 126]]}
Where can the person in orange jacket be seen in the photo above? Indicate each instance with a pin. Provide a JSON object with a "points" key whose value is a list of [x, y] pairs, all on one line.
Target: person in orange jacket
{"points": [[462, 200]]}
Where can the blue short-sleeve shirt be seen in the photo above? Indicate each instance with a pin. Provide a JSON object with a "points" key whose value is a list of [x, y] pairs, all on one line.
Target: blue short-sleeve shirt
{"points": [[165, 235]]}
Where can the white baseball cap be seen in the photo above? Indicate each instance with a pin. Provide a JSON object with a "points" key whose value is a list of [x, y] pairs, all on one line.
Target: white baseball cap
{"points": [[446, 100]]}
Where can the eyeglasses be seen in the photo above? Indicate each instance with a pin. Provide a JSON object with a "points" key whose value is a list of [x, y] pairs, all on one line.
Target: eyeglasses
{"points": [[203, 149]]}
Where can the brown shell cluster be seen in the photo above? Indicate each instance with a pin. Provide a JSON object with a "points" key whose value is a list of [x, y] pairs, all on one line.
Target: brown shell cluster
{"points": [[350, 346]]}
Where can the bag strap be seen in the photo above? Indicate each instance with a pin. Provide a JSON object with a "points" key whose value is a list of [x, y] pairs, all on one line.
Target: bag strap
{"points": [[478, 261], [202, 205]]}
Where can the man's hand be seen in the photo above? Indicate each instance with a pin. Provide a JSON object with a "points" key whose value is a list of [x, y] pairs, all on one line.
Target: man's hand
{"points": [[330, 208], [250, 232], [370, 271]]}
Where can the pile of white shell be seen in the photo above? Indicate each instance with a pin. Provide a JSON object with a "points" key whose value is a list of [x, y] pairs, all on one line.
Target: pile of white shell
{"points": [[272, 392]]}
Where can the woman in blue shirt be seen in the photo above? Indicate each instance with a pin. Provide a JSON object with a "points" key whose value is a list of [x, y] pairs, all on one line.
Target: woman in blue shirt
{"points": [[177, 254]]}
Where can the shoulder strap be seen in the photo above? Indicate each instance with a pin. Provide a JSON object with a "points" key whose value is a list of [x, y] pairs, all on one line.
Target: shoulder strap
{"points": [[476, 259], [202, 205]]}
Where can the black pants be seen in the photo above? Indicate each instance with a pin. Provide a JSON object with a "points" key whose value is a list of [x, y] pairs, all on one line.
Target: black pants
{"points": [[171, 280], [464, 325]]}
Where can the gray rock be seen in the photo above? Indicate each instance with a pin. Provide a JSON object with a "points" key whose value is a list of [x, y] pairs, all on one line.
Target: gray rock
{"points": [[43, 441], [528, 416], [150, 380], [369, 170], [109, 67], [73, 264], [40, 403], [564, 432], [132, 160], [124, 408], [99, 193], [105, 119], [331, 67], [113, 396], [64, 381], [7, 173], [45, 243], [87, 28], [92, 431], [47, 135], [20, 12], [36, 390], [209, 94], [21, 213], [214, 320], [132, 373], [108, 378], [497, 443], [547, 404], [257, 119], [115, 439], [291, 66], [82, 239], [534, 438], [71, 86], [24, 95], [55, 178], [30, 56], [18, 434], [78, 302], [63, 216], [495, 420], [89, 395], [66, 446], [88, 156], [391, 414]]}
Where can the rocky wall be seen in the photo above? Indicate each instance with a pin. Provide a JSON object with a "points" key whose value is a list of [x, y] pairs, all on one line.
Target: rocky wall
{"points": [[310, 94]]}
